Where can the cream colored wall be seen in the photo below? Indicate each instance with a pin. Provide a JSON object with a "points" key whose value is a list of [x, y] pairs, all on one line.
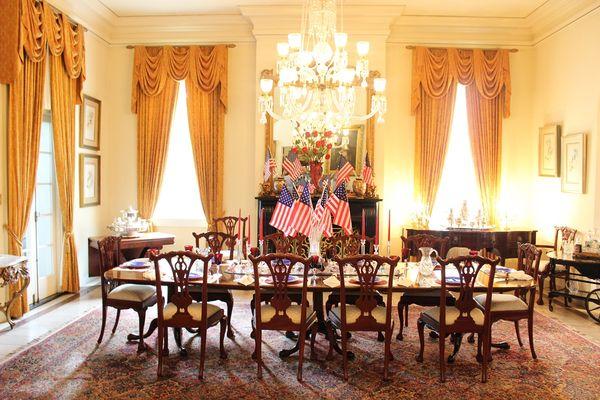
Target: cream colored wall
{"points": [[566, 90]]}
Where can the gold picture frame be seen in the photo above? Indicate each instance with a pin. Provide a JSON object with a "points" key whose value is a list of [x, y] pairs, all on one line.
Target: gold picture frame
{"points": [[549, 151], [89, 123], [354, 153], [89, 180], [574, 163]]}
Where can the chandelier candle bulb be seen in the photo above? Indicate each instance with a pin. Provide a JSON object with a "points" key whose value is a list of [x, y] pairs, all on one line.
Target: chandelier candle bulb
{"points": [[362, 48], [340, 39], [295, 41], [283, 49], [379, 85], [266, 85]]}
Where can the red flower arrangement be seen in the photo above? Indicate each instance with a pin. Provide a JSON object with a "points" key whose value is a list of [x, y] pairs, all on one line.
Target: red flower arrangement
{"points": [[313, 146]]}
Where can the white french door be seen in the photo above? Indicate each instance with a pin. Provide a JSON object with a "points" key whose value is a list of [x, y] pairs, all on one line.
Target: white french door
{"points": [[40, 244]]}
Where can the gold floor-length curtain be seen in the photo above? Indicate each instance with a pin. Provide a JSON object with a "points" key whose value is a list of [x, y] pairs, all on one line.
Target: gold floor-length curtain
{"points": [[206, 116], [24, 124], [436, 72], [485, 132], [156, 71]]}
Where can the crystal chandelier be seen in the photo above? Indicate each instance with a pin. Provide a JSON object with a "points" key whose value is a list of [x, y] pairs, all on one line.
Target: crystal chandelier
{"points": [[317, 86]]}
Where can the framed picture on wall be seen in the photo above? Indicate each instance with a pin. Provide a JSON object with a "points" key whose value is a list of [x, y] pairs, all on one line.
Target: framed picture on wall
{"points": [[89, 180], [351, 145], [549, 151], [574, 154], [89, 123]]}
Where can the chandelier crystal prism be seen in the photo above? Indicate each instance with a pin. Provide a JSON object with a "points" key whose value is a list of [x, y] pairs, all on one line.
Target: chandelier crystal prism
{"points": [[317, 87]]}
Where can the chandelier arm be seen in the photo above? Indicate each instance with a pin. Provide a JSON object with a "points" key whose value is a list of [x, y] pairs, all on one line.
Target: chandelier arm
{"points": [[364, 117]]}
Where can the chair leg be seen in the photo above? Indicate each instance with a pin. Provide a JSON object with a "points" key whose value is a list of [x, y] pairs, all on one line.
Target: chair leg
{"points": [[160, 341], [530, 330], [567, 278], [258, 351], [518, 333], [331, 337], [114, 329], [421, 330], [253, 331], [229, 303], [388, 354], [345, 353], [103, 324], [223, 327], [479, 356], [166, 344], [541, 279], [399, 336], [302, 339], [142, 321], [313, 337], [406, 315], [486, 354], [442, 355], [202, 352]]}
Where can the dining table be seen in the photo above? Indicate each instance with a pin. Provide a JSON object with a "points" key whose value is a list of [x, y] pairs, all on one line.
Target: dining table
{"points": [[239, 275]]}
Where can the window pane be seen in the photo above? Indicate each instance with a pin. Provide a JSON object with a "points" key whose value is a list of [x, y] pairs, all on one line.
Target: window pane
{"points": [[458, 182], [179, 196], [45, 231], [46, 137], [45, 168], [44, 199], [45, 262]]}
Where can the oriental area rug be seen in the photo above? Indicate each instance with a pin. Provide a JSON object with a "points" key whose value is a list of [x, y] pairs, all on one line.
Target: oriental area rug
{"points": [[70, 365]]}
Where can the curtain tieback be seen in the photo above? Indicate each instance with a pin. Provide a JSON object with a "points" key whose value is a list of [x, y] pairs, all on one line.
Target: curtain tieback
{"points": [[68, 234], [12, 234]]}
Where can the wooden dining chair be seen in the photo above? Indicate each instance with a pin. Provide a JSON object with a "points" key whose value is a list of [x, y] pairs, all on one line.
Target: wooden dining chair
{"points": [[365, 315], [279, 243], [519, 306], [279, 314], [181, 311], [561, 233], [342, 245], [430, 298], [229, 225], [125, 296], [217, 242], [465, 316]]}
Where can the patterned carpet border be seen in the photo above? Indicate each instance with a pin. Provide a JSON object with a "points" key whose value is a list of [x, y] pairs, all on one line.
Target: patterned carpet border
{"points": [[69, 365]]}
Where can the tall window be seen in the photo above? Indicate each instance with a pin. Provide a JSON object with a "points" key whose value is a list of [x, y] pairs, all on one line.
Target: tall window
{"points": [[179, 199], [459, 182]]}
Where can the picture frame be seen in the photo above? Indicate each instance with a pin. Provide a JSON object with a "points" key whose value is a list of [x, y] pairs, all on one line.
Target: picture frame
{"points": [[89, 180], [549, 151], [354, 150], [90, 113], [574, 163]]}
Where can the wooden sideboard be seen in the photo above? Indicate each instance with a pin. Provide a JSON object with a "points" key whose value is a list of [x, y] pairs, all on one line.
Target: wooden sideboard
{"points": [[356, 206], [499, 241], [130, 248]]}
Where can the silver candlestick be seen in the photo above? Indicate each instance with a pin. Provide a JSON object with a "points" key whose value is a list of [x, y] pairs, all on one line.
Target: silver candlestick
{"points": [[362, 246]]}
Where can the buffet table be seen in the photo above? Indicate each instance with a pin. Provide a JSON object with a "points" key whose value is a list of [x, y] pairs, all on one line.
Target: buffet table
{"points": [[12, 268]]}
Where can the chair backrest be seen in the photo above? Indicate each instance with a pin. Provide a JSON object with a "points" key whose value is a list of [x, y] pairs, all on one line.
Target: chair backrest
{"points": [[229, 225], [563, 233], [110, 257], [279, 266], [282, 244], [366, 268], [454, 252], [467, 268], [412, 244], [528, 261], [342, 245], [216, 241], [180, 264]]}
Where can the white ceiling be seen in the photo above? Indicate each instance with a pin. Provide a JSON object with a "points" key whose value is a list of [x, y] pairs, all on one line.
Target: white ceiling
{"points": [[459, 8]]}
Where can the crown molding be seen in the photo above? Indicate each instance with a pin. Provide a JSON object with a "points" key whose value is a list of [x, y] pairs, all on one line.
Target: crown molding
{"points": [[382, 19]]}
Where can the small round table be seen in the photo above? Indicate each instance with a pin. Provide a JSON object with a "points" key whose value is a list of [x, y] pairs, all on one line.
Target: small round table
{"points": [[588, 271], [12, 268]]}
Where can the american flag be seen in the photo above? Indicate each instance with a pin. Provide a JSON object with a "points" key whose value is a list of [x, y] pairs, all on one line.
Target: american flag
{"points": [[342, 213], [283, 210], [291, 164], [367, 171], [322, 214], [302, 214], [270, 165], [345, 169]]}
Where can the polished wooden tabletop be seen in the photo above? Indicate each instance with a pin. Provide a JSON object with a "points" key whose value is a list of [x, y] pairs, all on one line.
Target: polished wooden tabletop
{"points": [[404, 281]]}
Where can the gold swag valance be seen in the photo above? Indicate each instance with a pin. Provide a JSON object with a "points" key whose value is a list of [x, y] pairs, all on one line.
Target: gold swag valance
{"points": [[437, 70], [153, 66], [37, 28]]}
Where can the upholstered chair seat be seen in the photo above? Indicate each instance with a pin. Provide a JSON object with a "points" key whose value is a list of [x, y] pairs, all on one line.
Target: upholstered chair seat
{"points": [[194, 309], [132, 292], [293, 311], [353, 313], [452, 315], [503, 302]]}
